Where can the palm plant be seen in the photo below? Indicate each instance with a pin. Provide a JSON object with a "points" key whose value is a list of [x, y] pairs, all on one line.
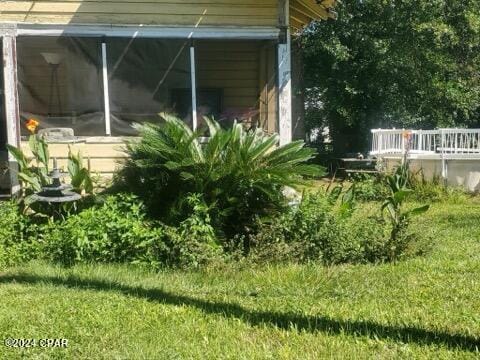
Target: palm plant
{"points": [[239, 174]]}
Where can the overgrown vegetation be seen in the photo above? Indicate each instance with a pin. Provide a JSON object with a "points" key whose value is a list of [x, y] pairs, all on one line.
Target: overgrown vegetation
{"points": [[115, 230], [324, 227], [422, 308], [238, 175], [18, 242], [321, 231], [187, 203]]}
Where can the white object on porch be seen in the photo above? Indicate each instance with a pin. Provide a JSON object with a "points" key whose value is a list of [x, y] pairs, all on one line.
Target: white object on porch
{"points": [[450, 154]]}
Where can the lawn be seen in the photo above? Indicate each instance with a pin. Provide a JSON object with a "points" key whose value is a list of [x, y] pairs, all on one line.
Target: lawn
{"points": [[426, 307]]}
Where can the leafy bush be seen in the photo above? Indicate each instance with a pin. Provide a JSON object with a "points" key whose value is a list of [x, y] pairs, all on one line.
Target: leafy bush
{"points": [[80, 177], [196, 243], [238, 174], [368, 187], [18, 242], [434, 191], [118, 231], [320, 230], [375, 188]]}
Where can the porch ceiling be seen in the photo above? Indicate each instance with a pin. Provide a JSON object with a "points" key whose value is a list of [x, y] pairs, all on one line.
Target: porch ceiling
{"points": [[302, 12]]}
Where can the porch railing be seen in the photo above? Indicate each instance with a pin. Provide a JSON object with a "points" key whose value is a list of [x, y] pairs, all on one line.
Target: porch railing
{"points": [[463, 142]]}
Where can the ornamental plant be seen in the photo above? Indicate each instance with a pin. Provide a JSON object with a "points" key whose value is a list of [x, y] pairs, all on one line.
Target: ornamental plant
{"points": [[393, 207], [238, 174], [33, 172]]}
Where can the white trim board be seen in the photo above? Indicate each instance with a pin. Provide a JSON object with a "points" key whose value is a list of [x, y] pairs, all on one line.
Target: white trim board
{"points": [[252, 33], [106, 93], [193, 80], [11, 105], [285, 92]]}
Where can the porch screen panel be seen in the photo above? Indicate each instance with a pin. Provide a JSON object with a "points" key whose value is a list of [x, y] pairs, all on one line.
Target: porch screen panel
{"points": [[148, 77], [232, 82], [60, 83]]}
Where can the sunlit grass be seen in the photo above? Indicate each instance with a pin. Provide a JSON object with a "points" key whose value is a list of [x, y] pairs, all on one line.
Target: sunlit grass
{"points": [[425, 307]]}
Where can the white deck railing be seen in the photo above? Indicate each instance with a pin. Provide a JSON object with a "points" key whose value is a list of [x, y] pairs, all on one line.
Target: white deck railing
{"points": [[442, 141]]}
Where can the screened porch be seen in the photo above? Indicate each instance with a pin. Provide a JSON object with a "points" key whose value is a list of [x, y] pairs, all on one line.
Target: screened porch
{"points": [[88, 92]]}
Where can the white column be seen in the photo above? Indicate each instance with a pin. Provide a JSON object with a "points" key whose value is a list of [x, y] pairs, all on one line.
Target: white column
{"points": [[11, 104], [285, 91], [106, 96], [194, 88]]}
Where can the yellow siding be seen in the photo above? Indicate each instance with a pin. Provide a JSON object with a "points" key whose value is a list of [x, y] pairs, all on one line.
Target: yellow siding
{"points": [[245, 71], [231, 66], [143, 12], [103, 158]]}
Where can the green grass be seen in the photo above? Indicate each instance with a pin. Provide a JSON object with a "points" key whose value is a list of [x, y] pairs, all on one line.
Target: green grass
{"points": [[426, 307]]}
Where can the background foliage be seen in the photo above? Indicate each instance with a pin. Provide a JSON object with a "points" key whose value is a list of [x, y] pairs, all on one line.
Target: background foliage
{"points": [[402, 63]]}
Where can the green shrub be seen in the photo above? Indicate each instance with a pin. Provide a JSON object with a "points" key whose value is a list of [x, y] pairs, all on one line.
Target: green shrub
{"points": [[238, 174], [435, 191], [18, 240], [118, 231], [367, 235], [319, 230], [196, 243], [369, 187]]}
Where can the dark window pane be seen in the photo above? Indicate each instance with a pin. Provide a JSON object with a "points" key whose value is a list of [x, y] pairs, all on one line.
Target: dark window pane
{"points": [[148, 77], [228, 81], [60, 83]]}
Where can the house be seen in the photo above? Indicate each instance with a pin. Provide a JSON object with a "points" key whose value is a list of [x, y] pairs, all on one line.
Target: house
{"points": [[87, 70]]}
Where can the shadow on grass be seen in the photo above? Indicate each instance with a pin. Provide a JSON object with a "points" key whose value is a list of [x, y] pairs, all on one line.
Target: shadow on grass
{"points": [[286, 321]]}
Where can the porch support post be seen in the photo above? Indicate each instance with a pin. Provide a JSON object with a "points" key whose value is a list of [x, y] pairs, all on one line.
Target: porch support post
{"points": [[106, 93], [194, 88], [284, 77], [11, 104]]}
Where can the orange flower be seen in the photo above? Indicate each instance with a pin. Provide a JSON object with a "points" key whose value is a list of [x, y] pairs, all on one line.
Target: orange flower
{"points": [[407, 135], [32, 125]]}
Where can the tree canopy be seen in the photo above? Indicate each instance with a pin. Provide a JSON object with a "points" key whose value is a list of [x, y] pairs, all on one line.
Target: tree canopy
{"points": [[393, 63]]}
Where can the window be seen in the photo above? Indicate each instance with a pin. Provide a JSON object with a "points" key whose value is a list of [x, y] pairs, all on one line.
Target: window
{"points": [[148, 77], [233, 81], [60, 83]]}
